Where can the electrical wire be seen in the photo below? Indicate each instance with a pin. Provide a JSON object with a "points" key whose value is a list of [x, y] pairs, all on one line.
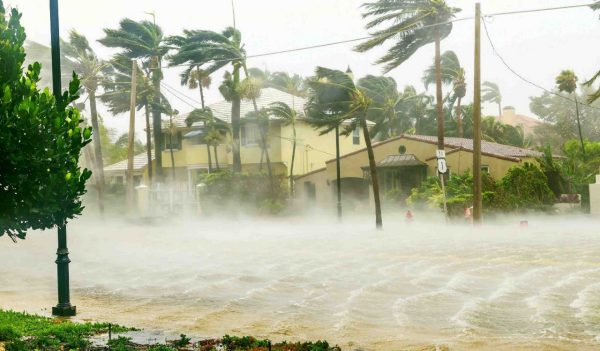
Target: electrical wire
{"points": [[522, 77], [177, 97], [316, 46], [536, 10]]}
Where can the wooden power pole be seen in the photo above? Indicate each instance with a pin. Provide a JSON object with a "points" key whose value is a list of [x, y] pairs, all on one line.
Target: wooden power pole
{"points": [[477, 198], [131, 140]]}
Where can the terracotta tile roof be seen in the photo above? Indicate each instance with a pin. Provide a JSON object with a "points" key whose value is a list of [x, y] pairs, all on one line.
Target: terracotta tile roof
{"points": [[486, 146], [140, 161]]}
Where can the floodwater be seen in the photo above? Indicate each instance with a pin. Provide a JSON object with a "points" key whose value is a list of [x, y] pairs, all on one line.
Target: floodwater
{"points": [[418, 286]]}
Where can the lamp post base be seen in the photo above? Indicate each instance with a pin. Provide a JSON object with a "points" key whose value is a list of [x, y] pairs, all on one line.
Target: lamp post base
{"points": [[64, 311]]}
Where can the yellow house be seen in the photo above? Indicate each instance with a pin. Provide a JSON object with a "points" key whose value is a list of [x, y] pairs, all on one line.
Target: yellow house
{"points": [[402, 163], [190, 153]]}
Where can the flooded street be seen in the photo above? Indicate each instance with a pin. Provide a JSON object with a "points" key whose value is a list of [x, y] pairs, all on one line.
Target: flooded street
{"points": [[406, 287]]}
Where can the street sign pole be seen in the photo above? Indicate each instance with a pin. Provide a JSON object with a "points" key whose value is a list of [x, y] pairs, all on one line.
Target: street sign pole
{"points": [[442, 168]]}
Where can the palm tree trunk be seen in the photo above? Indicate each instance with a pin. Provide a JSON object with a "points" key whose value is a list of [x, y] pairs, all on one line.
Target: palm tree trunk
{"points": [[172, 157], [202, 103], [579, 128], [438, 94], [156, 119], [216, 157], [293, 160], [148, 142], [499, 111], [269, 169], [461, 133], [373, 168], [97, 151], [235, 122]]}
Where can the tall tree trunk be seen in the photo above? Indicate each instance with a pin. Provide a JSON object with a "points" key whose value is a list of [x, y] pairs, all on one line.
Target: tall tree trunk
{"points": [[438, 94], [269, 169], [235, 122], [205, 126], [172, 157], [461, 133], [373, 168], [293, 160], [97, 151], [579, 127], [216, 157], [156, 119], [499, 110], [148, 142]]}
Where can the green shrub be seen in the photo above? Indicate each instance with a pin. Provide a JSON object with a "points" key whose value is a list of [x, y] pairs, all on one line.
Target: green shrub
{"points": [[8, 333], [252, 192]]}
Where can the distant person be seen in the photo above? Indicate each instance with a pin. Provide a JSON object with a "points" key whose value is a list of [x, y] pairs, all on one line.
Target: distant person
{"points": [[468, 214], [409, 217]]}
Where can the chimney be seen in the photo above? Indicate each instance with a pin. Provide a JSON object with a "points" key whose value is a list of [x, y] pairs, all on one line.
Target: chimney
{"points": [[509, 115]]}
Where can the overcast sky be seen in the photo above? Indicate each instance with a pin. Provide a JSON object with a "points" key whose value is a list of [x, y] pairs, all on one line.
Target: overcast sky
{"points": [[537, 45]]}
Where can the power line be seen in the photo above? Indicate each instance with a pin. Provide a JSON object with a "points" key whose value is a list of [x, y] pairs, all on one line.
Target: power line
{"points": [[324, 44], [536, 10], [522, 77], [181, 93], [177, 97]]}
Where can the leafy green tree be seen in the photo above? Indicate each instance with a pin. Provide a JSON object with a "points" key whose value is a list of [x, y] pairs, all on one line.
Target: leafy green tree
{"points": [[117, 95], [145, 41], [335, 99], [567, 83], [214, 129], [41, 139], [560, 126], [452, 74], [289, 116], [412, 24], [491, 93]]}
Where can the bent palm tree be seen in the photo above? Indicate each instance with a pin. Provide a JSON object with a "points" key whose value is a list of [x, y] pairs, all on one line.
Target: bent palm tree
{"points": [[145, 41], [213, 51], [452, 73], [335, 99], [385, 107], [416, 23], [214, 129], [491, 93], [567, 82], [289, 116], [91, 71], [117, 95]]}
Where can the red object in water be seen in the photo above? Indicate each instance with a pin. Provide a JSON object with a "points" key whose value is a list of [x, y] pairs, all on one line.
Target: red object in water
{"points": [[409, 216], [524, 223]]}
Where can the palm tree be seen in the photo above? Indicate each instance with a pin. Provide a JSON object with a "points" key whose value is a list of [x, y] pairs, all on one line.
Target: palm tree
{"points": [[491, 93], [567, 82], [193, 76], [335, 99], [117, 95], [452, 73], [261, 119], [213, 51], [413, 24], [91, 71], [595, 95], [385, 109], [289, 116], [144, 40], [214, 128]]}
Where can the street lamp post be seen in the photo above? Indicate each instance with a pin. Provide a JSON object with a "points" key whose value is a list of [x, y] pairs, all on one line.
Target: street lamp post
{"points": [[64, 307]]}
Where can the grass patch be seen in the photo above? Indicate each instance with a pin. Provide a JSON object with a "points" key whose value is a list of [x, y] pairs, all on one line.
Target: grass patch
{"points": [[23, 331]]}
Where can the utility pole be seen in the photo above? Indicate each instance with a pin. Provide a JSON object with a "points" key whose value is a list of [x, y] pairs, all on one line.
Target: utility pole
{"points": [[338, 172], [64, 307], [131, 139], [477, 201]]}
